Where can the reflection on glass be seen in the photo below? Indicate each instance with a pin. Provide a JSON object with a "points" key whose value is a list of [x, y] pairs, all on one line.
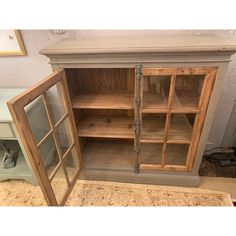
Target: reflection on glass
{"points": [[155, 92], [55, 103], [49, 155], [151, 153], [187, 91], [153, 126], [59, 184], [37, 118], [71, 165], [176, 154], [181, 127], [64, 135]]}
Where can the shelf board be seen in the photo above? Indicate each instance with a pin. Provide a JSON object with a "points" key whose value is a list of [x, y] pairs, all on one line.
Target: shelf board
{"points": [[156, 103], [123, 127], [104, 101], [151, 140], [153, 130], [189, 109], [108, 155], [106, 127]]}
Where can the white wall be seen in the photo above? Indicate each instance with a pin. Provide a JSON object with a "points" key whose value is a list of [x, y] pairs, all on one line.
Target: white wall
{"points": [[25, 71]]}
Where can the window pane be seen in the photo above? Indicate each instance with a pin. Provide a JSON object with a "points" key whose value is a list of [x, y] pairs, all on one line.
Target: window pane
{"points": [[187, 91], [59, 184], [153, 126], [64, 135], [181, 127], [71, 165], [151, 153], [49, 155], [176, 154], [155, 92], [55, 102], [37, 118]]}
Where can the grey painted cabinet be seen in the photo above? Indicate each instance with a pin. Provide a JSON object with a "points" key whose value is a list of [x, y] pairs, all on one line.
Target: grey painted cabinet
{"points": [[137, 109]]}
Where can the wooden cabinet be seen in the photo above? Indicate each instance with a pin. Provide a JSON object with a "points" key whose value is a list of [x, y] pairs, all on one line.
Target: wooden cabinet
{"points": [[124, 109]]}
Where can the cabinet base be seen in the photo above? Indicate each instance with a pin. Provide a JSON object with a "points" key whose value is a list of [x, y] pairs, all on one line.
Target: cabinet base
{"points": [[141, 178]]}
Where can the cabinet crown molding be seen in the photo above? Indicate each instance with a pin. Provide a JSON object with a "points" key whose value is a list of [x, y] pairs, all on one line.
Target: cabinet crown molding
{"points": [[138, 44]]}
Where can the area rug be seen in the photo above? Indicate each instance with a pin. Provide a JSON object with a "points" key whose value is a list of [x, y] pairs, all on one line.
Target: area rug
{"points": [[99, 193]]}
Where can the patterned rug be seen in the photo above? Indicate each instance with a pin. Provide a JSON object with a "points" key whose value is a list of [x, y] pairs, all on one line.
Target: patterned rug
{"points": [[99, 193]]}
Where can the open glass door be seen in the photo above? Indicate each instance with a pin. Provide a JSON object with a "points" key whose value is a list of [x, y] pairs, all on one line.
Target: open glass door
{"points": [[43, 117]]}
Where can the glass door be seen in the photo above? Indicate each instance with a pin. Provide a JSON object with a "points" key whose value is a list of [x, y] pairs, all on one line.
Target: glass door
{"points": [[43, 117], [173, 106]]}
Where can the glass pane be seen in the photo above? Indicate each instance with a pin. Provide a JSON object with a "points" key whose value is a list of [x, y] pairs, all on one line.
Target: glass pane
{"points": [[37, 118], [176, 154], [151, 153], [49, 155], [181, 127], [59, 184], [156, 92], [71, 165], [64, 135], [187, 91], [55, 102], [153, 126]]}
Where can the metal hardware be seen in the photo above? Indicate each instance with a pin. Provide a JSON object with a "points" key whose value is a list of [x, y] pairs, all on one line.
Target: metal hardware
{"points": [[138, 77]]}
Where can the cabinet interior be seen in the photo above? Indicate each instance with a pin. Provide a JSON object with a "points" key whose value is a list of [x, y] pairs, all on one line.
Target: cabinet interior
{"points": [[103, 102]]}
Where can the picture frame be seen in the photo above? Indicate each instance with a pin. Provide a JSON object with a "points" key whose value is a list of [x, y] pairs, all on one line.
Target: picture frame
{"points": [[11, 43]]}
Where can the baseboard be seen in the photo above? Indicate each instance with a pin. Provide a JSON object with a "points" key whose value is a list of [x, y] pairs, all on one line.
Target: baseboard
{"points": [[142, 178]]}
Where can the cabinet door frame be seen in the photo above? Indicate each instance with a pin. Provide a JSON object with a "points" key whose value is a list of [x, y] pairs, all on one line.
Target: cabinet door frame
{"points": [[16, 107], [208, 84]]}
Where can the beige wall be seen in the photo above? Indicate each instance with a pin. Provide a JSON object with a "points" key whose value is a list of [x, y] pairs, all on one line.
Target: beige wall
{"points": [[26, 71]]}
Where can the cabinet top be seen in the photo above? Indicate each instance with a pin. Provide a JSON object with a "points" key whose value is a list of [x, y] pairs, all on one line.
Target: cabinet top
{"points": [[161, 43]]}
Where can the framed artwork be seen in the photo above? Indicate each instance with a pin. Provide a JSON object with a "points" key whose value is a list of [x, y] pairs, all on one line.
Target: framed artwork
{"points": [[11, 43]]}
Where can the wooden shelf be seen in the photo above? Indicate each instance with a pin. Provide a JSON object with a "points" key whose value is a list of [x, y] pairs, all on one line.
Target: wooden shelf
{"points": [[156, 103], [180, 130], [107, 127], [123, 127], [108, 155], [104, 101]]}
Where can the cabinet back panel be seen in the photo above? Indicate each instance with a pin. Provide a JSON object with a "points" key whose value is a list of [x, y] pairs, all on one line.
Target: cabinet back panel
{"points": [[107, 112], [99, 80]]}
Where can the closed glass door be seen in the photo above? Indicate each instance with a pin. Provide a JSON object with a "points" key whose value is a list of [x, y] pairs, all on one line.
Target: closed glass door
{"points": [[173, 106]]}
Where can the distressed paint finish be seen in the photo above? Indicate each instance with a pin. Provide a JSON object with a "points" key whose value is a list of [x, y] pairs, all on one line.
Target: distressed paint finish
{"points": [[209, 51]]}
